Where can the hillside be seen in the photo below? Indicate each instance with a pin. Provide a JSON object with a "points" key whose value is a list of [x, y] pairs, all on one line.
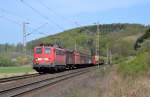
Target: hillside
{"points": [[129, 76], [121, 40], [117, 37], [141, 40]]}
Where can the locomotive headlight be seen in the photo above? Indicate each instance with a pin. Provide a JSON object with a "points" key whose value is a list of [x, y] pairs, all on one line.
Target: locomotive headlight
{"points": [[39, 59], [46, 59]]}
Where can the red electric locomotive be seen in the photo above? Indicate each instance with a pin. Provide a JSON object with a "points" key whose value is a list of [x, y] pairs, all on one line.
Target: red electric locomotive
{"points": [[50, 58]]}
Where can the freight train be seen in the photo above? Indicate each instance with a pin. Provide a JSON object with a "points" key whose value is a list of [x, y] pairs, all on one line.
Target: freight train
{"points": [[49, 58]]}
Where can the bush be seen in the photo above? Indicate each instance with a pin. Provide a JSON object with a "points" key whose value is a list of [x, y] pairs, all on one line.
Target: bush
{"points": [[138, 66], [6, 61], [118, 59], [22, 60], [145, 47]]}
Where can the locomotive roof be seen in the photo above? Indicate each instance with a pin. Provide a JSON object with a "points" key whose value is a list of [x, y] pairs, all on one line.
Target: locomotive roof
{"points": [[50, 46], [60, 48]]}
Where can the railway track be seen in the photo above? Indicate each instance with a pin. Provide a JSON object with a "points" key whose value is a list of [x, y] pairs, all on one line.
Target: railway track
{"points": [[14, 78], [32, 86]]}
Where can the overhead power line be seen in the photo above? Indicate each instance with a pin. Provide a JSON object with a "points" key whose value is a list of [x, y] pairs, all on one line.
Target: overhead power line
{"points": [[57, 14], [42, 33], [18, 23], [12, 14], [54, 12], [84, 28], [10, 20], [36, 29], [7, 12], [39, 13]]}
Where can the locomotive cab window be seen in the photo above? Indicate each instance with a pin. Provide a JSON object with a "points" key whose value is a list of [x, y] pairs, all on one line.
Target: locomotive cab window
{"points": [[38, 50], [47, 50], [59, 52]]}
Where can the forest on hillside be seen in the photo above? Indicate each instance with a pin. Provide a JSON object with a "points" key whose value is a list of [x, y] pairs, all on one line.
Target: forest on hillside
{"points": [[120, 39]]}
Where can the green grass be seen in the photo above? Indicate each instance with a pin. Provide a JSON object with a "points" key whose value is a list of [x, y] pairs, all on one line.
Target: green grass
{"points": [[136, 67], [19, 69], [127, 69]]}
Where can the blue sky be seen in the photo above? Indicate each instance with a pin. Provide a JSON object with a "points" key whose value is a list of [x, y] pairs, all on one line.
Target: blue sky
{"points": [[53, 16]]}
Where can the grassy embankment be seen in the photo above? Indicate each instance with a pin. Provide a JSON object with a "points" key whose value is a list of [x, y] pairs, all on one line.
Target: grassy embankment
{"points": [[140, 65], [129, 79], [16, 69]]}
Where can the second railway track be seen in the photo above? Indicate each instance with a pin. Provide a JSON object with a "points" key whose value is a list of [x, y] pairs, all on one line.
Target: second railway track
{"points": [[31, 86], [3, 80]]}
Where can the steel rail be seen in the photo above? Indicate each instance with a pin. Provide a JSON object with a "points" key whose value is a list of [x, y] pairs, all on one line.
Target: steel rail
{"points": [[19, 90], [14, 78]]}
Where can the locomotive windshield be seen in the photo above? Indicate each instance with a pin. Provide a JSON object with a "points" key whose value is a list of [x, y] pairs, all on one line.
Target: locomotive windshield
{"points": [[47, 50], [38, 50]]}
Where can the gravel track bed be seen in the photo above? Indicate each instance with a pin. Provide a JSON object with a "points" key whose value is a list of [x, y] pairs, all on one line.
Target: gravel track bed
{"points": [[59, 89], [18, 83], [13, 78]]}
